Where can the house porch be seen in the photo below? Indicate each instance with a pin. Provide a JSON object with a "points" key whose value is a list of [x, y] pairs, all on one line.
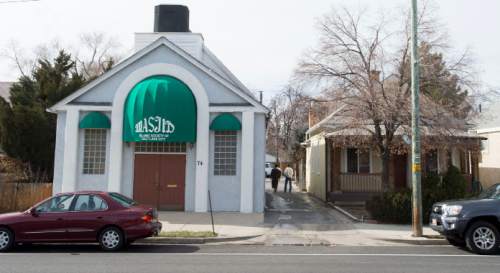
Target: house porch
{"points": [[355, 175]]}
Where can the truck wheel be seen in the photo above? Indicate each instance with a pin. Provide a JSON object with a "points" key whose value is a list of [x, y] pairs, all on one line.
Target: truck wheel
{"points": [[483, 238], [111, 239], [6, 239], [455, 242]]}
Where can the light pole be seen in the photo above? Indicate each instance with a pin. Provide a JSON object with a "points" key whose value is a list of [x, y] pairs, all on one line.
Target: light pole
{"points": [[415, 118]]}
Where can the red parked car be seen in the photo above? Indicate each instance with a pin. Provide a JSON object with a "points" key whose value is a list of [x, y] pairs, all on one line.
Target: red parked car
{"points": [[109, 218]]}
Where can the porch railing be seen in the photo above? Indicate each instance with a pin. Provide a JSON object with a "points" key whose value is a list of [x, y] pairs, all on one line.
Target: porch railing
{"points": [[360, 182]]}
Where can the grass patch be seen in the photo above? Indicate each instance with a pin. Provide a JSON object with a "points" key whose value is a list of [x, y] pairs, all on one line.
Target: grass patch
{"points": [[187, 234]]}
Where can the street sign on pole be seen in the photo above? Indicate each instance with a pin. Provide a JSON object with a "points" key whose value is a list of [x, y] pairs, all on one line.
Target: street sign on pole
{"points": [[415, 137]]}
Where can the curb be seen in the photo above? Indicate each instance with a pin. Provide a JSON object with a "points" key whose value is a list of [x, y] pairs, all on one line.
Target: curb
{"points": [[345, 213], [193, 241], [427, 242]]}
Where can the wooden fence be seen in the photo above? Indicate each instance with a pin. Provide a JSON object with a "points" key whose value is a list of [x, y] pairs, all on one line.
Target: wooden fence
{"points": [[21, 196]]}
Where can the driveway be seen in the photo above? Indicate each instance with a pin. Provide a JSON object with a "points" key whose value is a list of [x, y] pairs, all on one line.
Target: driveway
{"points": [[299, 218]]}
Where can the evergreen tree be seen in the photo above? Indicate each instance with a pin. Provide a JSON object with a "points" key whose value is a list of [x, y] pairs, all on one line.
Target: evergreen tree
{"points": [[27, 130], [439, 83]]}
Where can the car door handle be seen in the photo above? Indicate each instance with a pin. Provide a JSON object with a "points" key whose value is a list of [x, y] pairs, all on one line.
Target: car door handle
{"points": [[99, 217], [60, 219]]}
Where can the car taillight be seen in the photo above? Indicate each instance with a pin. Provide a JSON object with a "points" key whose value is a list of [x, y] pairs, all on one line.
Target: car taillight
{"points": [[147, 218]]}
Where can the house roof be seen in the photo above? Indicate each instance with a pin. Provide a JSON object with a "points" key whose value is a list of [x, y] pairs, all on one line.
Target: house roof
{"points": [[489, 119], [337, 124], [208, 64], [5, 90]]}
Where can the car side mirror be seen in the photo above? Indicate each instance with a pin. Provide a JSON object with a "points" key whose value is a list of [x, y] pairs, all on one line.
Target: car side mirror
{"points": [[33, 212]]}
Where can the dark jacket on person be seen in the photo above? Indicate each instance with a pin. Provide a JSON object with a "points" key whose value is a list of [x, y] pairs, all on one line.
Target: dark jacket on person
{"points": [[275, 176]]}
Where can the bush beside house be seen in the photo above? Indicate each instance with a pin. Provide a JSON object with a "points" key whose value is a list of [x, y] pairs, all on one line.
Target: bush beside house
{"points": [[395, 206]]}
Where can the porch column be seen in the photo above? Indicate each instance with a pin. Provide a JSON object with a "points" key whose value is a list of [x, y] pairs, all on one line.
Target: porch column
{"points": [[70, 161], [247, 160], [335, 165]]}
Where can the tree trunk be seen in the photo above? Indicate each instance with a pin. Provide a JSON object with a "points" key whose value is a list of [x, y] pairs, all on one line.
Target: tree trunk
{"points": [[386, 160]]}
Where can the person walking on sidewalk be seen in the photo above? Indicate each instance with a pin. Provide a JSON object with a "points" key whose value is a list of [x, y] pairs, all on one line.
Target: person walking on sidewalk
{"points": [[288, 177], [275, 177]]}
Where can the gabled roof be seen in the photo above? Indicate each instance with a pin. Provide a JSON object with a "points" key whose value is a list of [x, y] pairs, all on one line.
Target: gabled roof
{"points": [[216, 70], [210, 60]]}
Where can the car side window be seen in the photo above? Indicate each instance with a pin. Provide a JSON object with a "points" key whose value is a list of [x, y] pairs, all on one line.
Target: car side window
{"points": [[60, 203], [90, 202]]}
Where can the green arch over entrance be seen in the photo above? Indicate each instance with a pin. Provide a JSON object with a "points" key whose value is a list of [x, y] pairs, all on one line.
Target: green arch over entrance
{"points": [[160, 109]]}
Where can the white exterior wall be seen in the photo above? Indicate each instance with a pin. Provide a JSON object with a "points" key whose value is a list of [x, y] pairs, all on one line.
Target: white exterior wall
{"points": [[489, 167], [192, 43], [227, 196], [59, 153], [225, 190], [315, 167], [91, 181]]}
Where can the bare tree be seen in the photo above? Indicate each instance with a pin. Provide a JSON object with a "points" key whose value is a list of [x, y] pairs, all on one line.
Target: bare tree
{"points": [[362, 63], [97, 54], [17, 57], [288, 122]]}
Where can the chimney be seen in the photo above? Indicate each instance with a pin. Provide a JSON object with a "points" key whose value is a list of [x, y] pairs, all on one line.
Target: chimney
{"points": [[312, 115], [375, 75], [171, 18], [172, 22]]}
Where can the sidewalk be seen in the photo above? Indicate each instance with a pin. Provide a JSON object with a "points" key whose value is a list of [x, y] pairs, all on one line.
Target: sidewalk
{"points": [[260, 234], [226, 224], [294, 218]]}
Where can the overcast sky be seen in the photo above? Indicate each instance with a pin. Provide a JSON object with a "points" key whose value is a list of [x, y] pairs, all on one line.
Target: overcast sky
{"points": [[259, 40]]}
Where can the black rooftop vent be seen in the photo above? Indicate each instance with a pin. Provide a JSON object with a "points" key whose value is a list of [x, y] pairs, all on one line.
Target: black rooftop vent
{"points": [[171, 18]]}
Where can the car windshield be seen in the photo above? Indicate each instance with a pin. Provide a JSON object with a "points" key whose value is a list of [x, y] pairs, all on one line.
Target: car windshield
{"points": [[123, 200], [492, 192]]}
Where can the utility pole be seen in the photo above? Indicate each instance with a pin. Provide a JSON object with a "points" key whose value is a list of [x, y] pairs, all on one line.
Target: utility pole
{"points": [[415, 118]]}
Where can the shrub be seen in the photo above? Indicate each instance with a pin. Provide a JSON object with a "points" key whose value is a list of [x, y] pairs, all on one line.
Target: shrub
{"points": [[395, 207], [391, 207], [454, 184]]}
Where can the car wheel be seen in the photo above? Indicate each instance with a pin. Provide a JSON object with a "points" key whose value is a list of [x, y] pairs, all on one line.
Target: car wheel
{"points": [[455, 242], [483, 238], [111, 239], [6, 239]]}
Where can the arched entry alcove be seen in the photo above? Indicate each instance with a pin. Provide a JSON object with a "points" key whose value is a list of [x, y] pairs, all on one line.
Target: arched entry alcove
{"points": [[159, 116]]}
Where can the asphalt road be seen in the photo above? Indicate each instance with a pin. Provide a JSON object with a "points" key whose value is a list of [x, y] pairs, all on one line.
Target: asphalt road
{"points": [[238, 258]]}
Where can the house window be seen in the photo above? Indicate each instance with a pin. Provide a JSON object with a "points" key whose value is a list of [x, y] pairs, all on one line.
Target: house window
{"points": [[225, 153], [94, 151], [431, 162], [358, 160]]}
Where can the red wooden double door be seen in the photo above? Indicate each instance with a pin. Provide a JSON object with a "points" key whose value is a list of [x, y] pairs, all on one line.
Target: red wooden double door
{"points": [[159, 180]]}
